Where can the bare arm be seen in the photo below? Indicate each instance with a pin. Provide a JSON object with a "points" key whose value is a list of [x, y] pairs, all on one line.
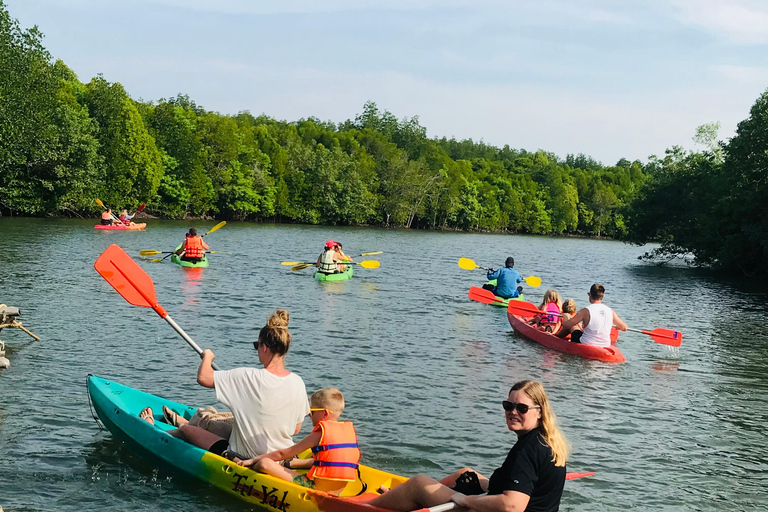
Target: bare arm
{"points": [[205, 371], [618, 322], [508, 501], [581, 315], [308, 442], [298, 429]]}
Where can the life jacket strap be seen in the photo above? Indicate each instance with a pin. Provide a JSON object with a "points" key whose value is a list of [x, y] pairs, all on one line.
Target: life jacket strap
{"points": [[321, 463], [316, 449]]}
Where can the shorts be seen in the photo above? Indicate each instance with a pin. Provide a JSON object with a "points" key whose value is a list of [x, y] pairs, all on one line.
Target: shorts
{"points": [[576, 336], [106, 222], [191, 260], [303, 481]]}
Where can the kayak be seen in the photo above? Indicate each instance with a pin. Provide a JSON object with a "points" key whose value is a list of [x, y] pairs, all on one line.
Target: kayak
{"points": [[122, 227], [118, 407], [188, 264], [341, 276], [500, 301], [606, 354]]}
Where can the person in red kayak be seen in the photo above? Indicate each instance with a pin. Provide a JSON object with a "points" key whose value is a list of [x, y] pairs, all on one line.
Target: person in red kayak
{"points": [[597, 319], [106, 217], [193, 248]]}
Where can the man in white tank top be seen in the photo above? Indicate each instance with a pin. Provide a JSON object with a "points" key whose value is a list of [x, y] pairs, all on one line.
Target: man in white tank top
{"points": [[597, 319]]}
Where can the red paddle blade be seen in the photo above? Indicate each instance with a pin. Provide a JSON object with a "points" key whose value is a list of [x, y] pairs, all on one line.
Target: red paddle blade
{"points": [[573, 475], [522, 308], [141, 207], [666, 336], [127, 277], [482, 295]]}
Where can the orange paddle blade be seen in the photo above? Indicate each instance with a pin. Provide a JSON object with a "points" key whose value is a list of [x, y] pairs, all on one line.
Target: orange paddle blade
{"points": [[666, 336], [481, 295], [128, 278], [522, 308]]}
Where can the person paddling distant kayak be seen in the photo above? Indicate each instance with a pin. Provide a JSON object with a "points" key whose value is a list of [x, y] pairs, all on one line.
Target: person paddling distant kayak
{"points": [[193, 247], [507, 279], [125, 218], [326, 262], [597, 319], [106, 217]]}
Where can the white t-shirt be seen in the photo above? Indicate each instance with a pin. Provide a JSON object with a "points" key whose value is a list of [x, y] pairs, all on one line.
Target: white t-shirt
{"points": [[598, 331], [266, 408]]}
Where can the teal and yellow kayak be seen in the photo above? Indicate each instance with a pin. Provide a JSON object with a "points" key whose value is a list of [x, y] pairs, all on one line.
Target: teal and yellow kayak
{"points": [[188, 264], [118, 407], [341, 276]]}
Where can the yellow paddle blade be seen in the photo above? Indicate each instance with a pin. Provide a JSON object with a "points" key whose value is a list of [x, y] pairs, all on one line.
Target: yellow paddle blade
{"points": [[157, 260], [370, 264], [467, 264], [290, 263], [98, 202], [371, 253], [216, 227], [533, 281], [218, 252], [301, 266], [150, 252]]}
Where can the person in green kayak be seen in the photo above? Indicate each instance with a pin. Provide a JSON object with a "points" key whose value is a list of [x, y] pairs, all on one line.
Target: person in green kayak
{"points": [[507, 280], [193, 249], [326, 262], [531, 478]]}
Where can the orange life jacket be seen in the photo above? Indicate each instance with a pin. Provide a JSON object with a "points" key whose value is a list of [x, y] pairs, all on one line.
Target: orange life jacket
{"points": [[193, 247], [105, 216], [337, 455]]}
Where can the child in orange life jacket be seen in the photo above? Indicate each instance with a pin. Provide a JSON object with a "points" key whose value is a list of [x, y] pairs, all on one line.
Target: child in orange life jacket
{"points": [[335, 454]]}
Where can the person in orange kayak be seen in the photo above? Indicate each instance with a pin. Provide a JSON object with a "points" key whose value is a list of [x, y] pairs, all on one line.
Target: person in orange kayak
{"points": [[193, 248], [335, 453], [326, 262], [106, 217], [597, 319], [125, 218]]}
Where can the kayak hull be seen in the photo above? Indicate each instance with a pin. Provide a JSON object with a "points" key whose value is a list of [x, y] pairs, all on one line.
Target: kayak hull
{"points": [[122, 227], [500, 302], [118, 407], [341, 276], [188, 264], [609, 354]]}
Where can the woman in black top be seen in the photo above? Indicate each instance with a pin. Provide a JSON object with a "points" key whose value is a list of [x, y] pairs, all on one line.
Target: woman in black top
{"points": [[531, 478]]}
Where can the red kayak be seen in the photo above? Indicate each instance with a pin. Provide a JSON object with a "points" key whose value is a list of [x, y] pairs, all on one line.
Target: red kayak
{"points": [[122, 227], [608, 354]]}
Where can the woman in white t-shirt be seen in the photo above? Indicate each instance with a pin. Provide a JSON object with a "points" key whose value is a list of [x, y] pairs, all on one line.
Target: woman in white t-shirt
{"points": [[268, 404]]}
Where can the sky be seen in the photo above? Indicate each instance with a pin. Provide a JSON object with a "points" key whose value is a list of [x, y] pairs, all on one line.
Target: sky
{"points": [[608, 78]]}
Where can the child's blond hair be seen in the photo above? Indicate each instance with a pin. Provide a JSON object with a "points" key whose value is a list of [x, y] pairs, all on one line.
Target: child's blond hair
{"points": [[328, 398], [569, 306], [551, 296]]}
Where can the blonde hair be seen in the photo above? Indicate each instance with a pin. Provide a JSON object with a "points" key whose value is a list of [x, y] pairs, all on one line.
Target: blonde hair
{"points": [[569, 306], [551, 296], [550, 432], [328, 398], [275, 335]]}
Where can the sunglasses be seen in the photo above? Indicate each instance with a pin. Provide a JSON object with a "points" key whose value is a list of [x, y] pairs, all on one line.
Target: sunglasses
{"points": [[521, 408], [316, 409], [256, 345]]}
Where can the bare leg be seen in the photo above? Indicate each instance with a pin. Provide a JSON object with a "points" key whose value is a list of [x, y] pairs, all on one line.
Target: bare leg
{"points": [[271, 467], [196, 436], [147, 415], [418, 492]]}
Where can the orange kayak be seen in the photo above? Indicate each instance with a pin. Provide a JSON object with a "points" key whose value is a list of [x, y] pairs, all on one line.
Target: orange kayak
{"points": [[608, 354], [122, 227]]}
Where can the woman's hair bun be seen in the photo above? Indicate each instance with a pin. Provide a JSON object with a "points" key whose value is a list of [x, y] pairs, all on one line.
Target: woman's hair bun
{"points": [[278, 319]]}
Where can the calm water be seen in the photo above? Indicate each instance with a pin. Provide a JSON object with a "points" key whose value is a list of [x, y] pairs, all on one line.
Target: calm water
{"points": [[422, 367]]}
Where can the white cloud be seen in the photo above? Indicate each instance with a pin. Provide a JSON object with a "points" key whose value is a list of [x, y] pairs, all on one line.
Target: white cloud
{"points": [[738, 21], [751, 76]]}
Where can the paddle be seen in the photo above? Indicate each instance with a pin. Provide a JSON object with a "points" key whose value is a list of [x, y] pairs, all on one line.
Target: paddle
{"points": [[290, 263], [468, 264], [482, 295], [365, 264], [659, 335], [154, 252], [130, 281], [451, 505], [214, 228]]}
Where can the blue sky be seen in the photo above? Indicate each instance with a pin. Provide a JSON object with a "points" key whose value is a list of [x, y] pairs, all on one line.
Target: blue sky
{"points": [[609, 78]]}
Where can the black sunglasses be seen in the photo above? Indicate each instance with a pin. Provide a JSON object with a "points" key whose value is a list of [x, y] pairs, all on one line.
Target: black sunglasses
{"points": [[256, 345], [521, 408]]}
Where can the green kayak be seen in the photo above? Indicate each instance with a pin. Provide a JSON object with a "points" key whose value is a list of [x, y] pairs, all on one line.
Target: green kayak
{"points": [[180, 262], [341, 276]]}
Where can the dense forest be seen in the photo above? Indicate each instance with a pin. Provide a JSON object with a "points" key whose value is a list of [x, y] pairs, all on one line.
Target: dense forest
{"points": [[64, 143]]}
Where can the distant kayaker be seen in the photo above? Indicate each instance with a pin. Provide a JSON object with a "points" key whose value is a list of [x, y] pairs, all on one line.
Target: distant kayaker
{"points": [[125, 218], [106, 218], [531, 478], [333, 465], [507, 280], [326, 262], [268, 404], [597, 320], [194, 247]]}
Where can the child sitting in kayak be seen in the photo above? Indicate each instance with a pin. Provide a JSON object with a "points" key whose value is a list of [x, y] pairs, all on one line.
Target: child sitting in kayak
{"points": [[569, 309], [335, 454], [551, 319], [340, 256]]}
